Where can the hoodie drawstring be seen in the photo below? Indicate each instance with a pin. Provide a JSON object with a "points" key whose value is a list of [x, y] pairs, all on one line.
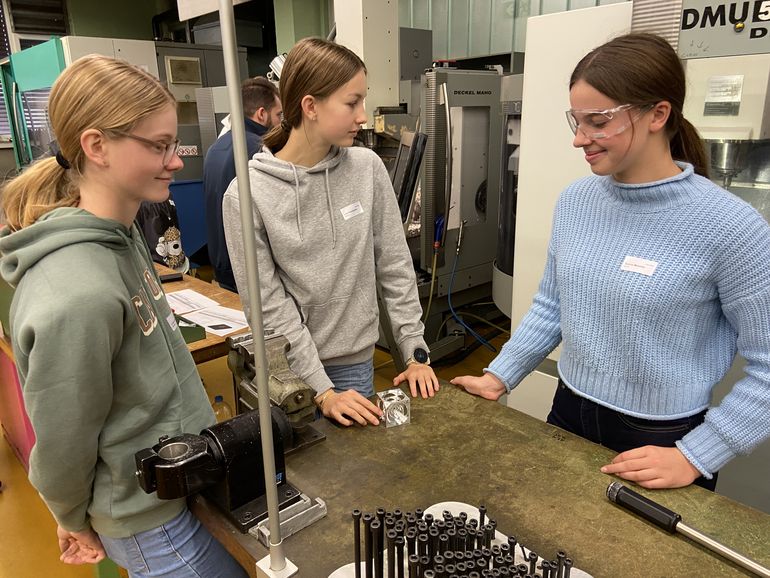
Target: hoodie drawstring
{"points": [[329, 204], [296, 194]]}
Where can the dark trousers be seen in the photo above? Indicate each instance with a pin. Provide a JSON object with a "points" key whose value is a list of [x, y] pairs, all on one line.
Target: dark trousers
{"points": [[618, 431]]}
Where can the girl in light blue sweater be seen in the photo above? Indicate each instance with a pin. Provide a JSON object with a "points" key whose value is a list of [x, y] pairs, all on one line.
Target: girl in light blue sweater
{"points": [[654, 279]]}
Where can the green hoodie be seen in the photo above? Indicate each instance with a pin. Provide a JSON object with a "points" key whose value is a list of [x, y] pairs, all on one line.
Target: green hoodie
{"points": [[103, 367]]}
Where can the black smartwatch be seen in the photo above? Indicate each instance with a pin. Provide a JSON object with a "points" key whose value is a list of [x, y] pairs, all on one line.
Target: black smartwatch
{"points": [[419, 355]]}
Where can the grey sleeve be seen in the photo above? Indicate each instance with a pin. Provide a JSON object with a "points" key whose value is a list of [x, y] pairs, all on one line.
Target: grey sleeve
{"points": [[279, 312], [396, 278]]}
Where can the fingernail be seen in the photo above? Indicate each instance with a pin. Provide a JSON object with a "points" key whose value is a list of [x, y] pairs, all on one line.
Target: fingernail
{"points": [[604, 469]]}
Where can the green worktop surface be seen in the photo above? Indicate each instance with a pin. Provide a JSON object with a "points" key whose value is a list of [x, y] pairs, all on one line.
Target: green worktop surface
{"points": [[539, 483]]}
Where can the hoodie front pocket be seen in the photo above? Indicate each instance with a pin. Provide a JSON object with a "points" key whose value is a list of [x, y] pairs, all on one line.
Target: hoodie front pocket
{"points": [[343, 325]]}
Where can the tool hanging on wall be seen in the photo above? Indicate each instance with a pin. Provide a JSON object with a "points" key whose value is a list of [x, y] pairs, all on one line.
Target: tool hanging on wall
{"points": [[672, 522]]}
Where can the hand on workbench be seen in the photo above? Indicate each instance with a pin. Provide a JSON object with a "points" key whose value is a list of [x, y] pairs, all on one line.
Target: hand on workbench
{"points": [[353, 405], [80, 547], [422, 375], [487, 386], [654, 467]]}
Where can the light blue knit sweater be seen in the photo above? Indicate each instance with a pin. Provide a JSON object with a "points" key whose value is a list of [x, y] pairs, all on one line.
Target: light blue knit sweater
{"points": [[654, 346]]}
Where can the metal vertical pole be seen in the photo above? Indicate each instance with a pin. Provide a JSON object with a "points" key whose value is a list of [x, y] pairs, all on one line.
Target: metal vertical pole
{"points": [[230, 52]]}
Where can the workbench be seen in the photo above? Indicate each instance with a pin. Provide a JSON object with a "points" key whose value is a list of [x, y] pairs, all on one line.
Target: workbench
{"points": [[213, 346], [540, 483]]}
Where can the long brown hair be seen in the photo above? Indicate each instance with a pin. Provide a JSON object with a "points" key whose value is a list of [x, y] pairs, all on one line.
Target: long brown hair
{"points": [[94, 92], [643, 68], [313, 67]]}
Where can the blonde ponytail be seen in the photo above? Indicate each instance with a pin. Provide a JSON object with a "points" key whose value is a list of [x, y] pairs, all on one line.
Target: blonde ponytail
{"points": [[42, 187]]}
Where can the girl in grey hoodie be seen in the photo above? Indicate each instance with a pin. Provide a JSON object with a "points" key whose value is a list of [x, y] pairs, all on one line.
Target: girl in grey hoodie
{"points": [[328, 235]]}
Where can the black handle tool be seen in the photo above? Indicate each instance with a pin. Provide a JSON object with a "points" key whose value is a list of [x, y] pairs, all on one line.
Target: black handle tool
{"points": [[672, 522]]}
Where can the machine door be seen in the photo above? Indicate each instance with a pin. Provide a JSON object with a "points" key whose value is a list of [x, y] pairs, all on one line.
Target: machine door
{"points": [[28, 83]]}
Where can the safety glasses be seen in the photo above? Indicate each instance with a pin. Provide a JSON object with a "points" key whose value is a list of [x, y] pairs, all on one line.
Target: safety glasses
{"points": [[600, 124]]}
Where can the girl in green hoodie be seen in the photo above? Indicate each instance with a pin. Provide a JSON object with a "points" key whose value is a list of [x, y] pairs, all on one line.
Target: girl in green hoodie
{"points": [[103, 367]]}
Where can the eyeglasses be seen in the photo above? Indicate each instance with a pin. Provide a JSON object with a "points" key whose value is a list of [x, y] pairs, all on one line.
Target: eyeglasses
{"points": [[168, 150], [599, 124]]}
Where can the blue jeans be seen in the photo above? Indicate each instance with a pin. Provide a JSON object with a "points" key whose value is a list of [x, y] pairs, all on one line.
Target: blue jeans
{"points": [[180, 548], [618, 431], [359, 376]]}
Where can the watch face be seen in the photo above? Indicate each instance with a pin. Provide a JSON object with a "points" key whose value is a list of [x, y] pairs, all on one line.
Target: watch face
{"points": [[420, 355]]}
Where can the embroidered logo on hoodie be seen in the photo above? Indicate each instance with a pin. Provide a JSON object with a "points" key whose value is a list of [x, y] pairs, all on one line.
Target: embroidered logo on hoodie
{"points": [[144, 312]]}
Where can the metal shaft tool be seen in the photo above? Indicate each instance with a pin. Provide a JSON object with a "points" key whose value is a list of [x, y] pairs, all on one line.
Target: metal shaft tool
{"points": [[357, 541], [368, 554], [400, 557], [672, 522], [390, 538], [377, 549]]}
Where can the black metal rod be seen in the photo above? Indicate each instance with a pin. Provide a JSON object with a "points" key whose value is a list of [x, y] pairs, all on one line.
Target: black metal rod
{"points": [[422, 547], [391, 541], [357, 541], [414, 560], [532, 562], [368, 545], [377, 546], [560, 557], [400, 556]]}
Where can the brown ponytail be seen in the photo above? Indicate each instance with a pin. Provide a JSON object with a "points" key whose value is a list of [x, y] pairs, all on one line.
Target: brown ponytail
{"points": [[275, 139], [687, 145]]}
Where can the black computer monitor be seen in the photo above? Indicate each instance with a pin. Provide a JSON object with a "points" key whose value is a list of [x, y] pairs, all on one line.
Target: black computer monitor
{"points": [[406, 169]]}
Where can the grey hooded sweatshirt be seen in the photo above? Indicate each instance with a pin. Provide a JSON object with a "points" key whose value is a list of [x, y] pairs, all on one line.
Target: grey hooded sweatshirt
{"points": [[327, 237]]}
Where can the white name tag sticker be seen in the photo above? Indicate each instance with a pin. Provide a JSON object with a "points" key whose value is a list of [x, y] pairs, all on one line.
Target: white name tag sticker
{"points": [[639, 265], [352, 210]]}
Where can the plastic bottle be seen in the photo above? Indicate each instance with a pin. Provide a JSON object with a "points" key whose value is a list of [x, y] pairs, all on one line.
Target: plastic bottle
{"points": [[222, 410]]}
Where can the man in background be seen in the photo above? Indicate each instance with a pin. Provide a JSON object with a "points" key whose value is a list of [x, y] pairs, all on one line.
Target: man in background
{"points": [[262, 110]]}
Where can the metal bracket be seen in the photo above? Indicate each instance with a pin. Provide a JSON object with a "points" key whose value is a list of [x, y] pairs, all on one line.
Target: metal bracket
{"points": [[292, 519]]}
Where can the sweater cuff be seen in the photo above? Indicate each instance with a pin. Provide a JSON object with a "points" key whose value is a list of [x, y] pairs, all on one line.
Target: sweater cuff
{"points": [[705, 449], [319, 381], [505, 371], [508, 388], [408, 345], [71, 519]]}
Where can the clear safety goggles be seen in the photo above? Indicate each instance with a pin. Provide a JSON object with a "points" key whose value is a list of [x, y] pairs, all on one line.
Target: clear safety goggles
{"points": [[599, 124]]}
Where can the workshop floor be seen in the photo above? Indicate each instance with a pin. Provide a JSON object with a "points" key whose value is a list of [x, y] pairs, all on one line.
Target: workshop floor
{"points": [[28, 547]]}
